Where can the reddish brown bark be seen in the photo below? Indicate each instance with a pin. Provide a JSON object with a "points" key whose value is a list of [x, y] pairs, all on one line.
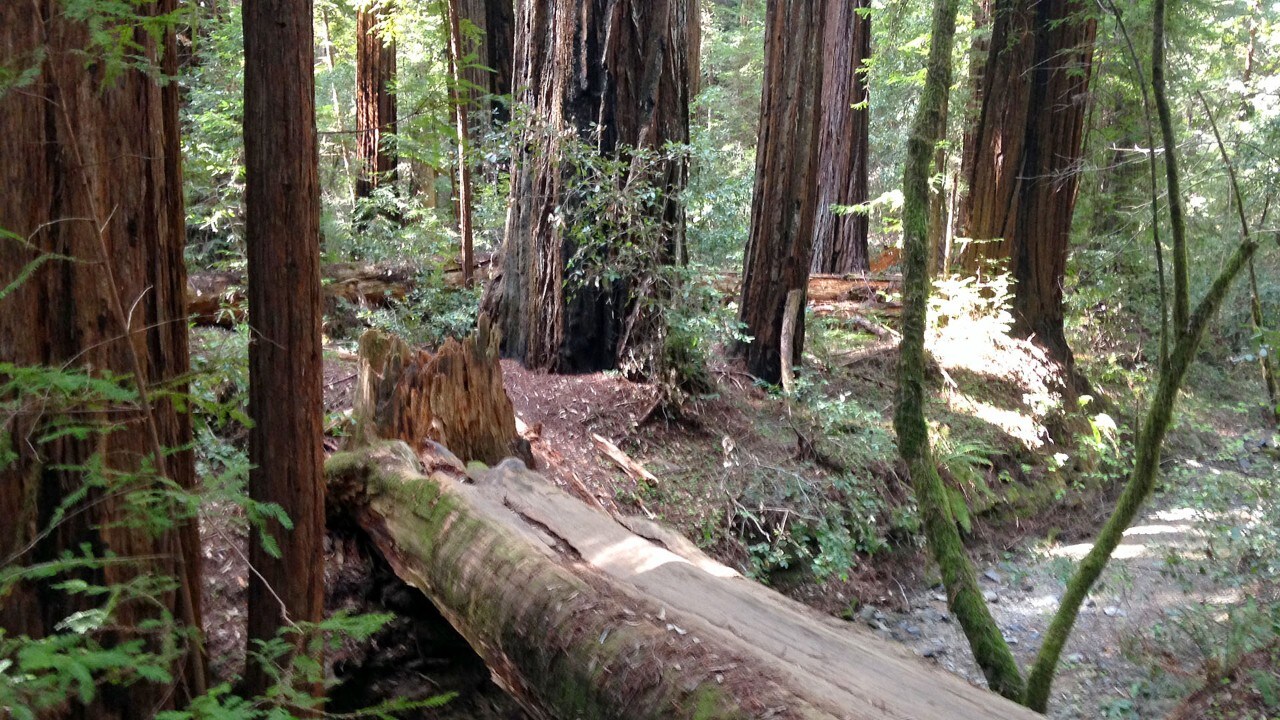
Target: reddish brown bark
{"points": [[840, 241], [457, 58], [91, 170], [784, 204], [614, 74], [282, 231], [1023, 156], [375, 102], [490, 62]]}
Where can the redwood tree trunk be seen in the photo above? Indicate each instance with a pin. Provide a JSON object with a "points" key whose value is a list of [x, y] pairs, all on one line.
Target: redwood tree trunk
{"points": [[785, 201], [620, 67], [91, 171], [375, 103], [282, 233], [457, 60], [840, 241], [1022, 174], [488, 73]]}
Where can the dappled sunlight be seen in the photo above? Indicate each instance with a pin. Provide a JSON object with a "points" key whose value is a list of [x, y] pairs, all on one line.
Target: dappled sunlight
{"points": [[1021, 426], [638, 555], [1127, 551]]}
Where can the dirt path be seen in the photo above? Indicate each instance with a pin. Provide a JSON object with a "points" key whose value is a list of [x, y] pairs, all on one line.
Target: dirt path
{"points": [[1103, 673]]}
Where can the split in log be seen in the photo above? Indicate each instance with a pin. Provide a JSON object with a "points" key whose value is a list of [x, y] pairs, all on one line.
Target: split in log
{"points": [[453, 397], [581, 615]]}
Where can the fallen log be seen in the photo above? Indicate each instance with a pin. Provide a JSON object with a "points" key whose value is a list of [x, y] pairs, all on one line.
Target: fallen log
{"points": [[218, 298], [827, 288], [579, 615]]}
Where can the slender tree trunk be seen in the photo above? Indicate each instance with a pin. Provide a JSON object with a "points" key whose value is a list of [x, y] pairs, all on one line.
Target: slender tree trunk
{"points": [[282, 232], [695, 48], [92, 177], [456, 58], [784, 203], [840, 241], [964, 596], [375, 101], [1022, 157], [333, 91], [613, 74]]}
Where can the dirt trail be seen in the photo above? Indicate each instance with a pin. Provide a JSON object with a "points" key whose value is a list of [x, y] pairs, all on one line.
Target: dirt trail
{"points": [[1141, 587]]}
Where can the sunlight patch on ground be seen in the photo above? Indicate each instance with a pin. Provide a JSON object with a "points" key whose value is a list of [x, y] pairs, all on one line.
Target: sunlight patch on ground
{"points": [[1126, 551], [1020, 426]]}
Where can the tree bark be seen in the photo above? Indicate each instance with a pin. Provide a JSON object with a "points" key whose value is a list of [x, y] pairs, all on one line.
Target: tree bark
{"points": [[91, 266], [456, 60], [454, 397], [1023, 157], [581, 615], [375, 102], [487, 74], [840, 241], [282, 234], [615, 76], [784, 203]]}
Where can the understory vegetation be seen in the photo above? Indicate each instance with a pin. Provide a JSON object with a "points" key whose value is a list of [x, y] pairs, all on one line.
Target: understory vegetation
{"points": [[801, 488]]}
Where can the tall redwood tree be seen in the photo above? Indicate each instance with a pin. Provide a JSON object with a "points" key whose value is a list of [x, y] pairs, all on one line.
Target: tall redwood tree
{"points": [[282, 233], [90, 166], [375, 98], [489, 57], [1022, 156], [613, 74], [844, 140], [785, 201]]}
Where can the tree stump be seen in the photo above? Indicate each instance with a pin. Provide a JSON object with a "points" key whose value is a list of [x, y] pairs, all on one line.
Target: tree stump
{"points": [[453, 397]]}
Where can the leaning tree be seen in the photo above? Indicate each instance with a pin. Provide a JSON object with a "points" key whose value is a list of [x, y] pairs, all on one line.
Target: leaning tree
{"points": [[784, 202], [601, 84], [1021, 157], [92, 284]]}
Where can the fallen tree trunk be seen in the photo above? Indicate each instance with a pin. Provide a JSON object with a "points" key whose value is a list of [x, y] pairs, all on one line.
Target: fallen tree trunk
{"points": [[581, 615], [217, 298]]}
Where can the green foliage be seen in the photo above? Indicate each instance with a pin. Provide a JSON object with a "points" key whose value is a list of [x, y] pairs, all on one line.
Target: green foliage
{"points": [[212, 119], [123, 34], [812, 524], [103, 645]]}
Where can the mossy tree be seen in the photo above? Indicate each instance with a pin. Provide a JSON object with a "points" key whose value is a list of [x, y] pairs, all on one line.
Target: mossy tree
{"points": [[1188, 328]]}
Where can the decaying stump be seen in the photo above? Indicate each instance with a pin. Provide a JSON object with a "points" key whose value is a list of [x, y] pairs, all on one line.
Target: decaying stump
{"points": [[453, 397], [582, 615]]}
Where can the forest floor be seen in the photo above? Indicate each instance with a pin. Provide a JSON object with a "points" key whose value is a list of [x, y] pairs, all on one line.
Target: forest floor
{"points": [[746, 474], [1148, 635]]}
